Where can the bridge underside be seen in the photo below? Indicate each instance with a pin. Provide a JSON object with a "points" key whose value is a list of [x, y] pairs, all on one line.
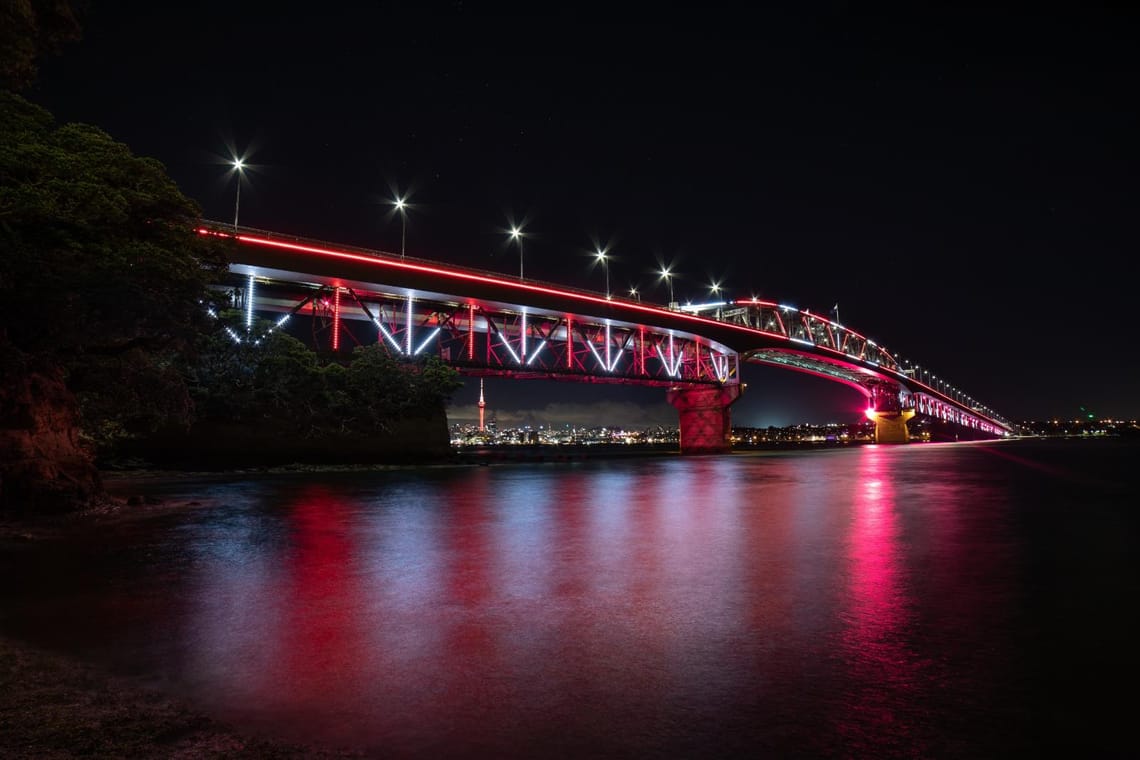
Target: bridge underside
{"points": [[859, 378], [489, 338]]}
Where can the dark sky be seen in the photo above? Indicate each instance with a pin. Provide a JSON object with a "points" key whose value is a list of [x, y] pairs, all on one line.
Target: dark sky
{"points": [[962, 183]]}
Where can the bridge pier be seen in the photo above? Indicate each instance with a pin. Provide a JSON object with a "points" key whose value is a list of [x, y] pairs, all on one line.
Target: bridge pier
{"points": [[890, 427], [889, 414], [704, 417]]}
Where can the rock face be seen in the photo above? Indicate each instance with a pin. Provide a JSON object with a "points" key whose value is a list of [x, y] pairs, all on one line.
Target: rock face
{"points": [[43, 464]]}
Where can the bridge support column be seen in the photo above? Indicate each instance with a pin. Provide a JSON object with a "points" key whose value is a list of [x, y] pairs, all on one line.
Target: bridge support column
{"points": [[890, 427], [705, 425]]}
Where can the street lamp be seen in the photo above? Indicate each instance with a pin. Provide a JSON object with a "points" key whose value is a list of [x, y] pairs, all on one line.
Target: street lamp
{"points": [[714, 288], [402, 206], [605, 265], [517, 236], [634, 294], [667, 276], [239, 167]]}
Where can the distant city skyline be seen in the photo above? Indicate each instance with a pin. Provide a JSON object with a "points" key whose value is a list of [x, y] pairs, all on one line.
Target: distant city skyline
{"points": [[773, 397]]}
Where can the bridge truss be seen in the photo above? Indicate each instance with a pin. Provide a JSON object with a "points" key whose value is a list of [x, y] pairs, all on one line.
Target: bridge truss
{"points": [[807, 329], [481, 337]]}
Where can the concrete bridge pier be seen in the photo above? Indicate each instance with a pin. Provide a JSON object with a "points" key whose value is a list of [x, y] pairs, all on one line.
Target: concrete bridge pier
{"points": [[890, 427], [705, 424], [888, 414]]}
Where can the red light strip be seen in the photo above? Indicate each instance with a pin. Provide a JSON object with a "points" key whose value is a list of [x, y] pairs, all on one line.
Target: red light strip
{"points": [[472, 277], [471, 332], [336, 319], [641, 345]]}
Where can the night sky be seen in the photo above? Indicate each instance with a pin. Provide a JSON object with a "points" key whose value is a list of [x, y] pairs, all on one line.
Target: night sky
{"points": [[963, 184]]}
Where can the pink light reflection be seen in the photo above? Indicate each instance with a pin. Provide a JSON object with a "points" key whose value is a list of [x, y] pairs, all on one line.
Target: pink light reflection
{"points": [[315, 639], [878, 615]]}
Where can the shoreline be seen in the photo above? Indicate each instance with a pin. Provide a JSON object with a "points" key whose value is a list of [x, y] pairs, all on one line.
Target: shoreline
{"points": [[471, 456], [55, 706], [459, 457], [118, 503]]}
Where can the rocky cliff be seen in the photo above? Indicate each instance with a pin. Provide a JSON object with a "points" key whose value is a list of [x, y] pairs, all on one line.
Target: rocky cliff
{"points": [[43, 463]]}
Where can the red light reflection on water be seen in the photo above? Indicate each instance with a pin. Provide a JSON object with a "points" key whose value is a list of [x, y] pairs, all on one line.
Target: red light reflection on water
{"points": [[317, 637], [522, 607], [880, 665]]}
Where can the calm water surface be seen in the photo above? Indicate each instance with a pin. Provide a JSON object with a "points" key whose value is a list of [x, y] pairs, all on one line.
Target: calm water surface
{"points": [[935, 601]]}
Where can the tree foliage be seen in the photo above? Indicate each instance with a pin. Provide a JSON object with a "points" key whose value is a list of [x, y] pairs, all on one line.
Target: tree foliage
{"points": [[278, 382], [104, 295], [29, 29], [97, 243], [101, 273]]}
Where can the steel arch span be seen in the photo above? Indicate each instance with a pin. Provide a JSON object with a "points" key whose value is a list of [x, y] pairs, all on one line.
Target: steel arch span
{"points": [[487, 323]]}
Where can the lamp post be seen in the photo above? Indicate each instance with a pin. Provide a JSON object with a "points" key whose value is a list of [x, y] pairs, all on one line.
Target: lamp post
{"points": [[239, 167], [402, 206], [605, 265], [634, 294], [517, 236], [667, 276], [714, 289]]}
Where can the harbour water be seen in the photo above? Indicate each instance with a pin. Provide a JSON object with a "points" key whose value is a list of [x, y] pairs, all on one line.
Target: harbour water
{"points": [[950, 600]]}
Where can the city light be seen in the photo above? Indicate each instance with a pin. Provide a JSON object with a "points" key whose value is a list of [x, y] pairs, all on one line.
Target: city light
{"points": [[466, 434]]}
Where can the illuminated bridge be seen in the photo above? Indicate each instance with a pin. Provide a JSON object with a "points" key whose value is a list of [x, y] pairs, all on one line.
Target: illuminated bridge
{"points": [[486, 323]]}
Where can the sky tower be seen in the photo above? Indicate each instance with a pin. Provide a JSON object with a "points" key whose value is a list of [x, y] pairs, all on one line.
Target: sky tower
{"points": [[482, 405]]}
